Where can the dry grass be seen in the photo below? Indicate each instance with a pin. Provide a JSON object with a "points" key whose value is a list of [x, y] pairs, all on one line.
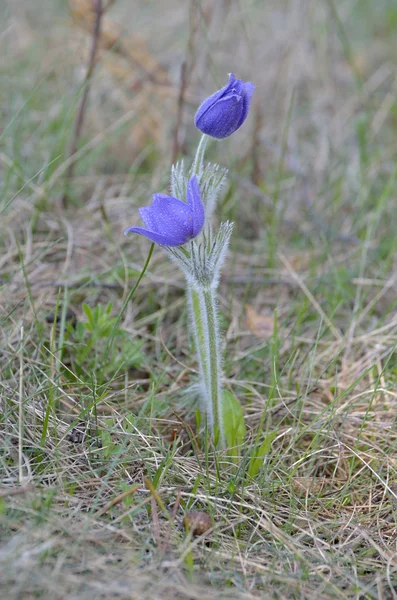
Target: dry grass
{"points": [[99, 457]]}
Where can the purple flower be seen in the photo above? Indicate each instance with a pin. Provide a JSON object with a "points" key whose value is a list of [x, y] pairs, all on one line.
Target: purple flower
{"points": [[225, 111], [171, 222]]}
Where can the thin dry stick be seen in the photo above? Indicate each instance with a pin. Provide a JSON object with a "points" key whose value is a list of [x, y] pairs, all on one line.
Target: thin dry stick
{"points": [[117, 500], [172, 522], [186, 72], [181, 102], [156, 523], [83, 102]]}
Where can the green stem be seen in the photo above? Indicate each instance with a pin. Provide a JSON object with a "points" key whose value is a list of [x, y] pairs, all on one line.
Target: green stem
{"points": [[206, 335], [199, 330], [214, 363], [197, 166], [129, 296]]}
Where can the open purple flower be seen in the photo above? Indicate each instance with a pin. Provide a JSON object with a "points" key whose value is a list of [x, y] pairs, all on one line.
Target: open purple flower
{"points": [[171, 222], [224, 112]]}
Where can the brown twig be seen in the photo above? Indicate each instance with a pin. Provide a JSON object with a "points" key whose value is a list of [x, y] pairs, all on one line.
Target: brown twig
{"points": [[186, 72], [190, 430], [156, 523], [179, 114], [83, 102], [172, 522], [132, 490]]}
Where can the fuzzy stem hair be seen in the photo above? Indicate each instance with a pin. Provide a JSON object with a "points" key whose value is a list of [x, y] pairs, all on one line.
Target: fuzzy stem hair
{"points": [[205, 324], [198, 163]]}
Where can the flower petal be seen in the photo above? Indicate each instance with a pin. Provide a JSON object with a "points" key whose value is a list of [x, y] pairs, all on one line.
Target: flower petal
{"points": [[196, 205], [246, 95], [173, 217], [163, 240], [248, 89], [213, 98], [224, 117], [148, 217], [238, 87]]}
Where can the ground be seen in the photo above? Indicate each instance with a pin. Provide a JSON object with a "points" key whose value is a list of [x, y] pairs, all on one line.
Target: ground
{"points": [[102, 459]]}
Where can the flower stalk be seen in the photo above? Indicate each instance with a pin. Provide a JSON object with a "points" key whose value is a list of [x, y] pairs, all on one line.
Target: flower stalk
{"points": [[201, 264], [205, 323], [198, 163]]}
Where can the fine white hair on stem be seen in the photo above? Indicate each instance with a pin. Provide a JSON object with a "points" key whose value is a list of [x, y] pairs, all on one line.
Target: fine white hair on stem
{"points": [[201, 264]]}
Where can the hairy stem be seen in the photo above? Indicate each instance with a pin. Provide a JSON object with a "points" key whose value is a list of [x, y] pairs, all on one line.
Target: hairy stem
{"points": [[207, 342], [198, 163], [199, 331]]}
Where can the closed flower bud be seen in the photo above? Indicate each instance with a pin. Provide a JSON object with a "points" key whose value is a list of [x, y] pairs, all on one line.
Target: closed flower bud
{"points": [[224, 112]]}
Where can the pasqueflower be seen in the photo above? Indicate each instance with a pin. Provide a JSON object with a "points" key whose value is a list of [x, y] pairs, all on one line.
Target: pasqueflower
{"points": [[172, 222], [224, 112]]}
